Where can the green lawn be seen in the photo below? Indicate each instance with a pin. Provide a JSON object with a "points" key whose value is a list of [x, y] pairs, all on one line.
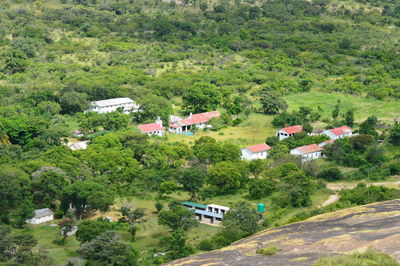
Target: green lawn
{"points": [[363, 107]]}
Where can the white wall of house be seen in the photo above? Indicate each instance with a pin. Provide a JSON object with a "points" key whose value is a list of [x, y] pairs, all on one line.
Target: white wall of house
{"points": [[40, 220], [127, 108], [158, 133], [281, 134], [248, 155], [307, 157]]}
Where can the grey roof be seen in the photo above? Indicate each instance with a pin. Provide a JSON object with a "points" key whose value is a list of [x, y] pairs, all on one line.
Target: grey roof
{"points": [[43, 212], [114, 101]]}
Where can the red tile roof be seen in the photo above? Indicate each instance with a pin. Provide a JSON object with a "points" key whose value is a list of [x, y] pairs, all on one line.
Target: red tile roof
{"points": [[293, 129], [258, 148], [309, 148], [340, 130], [198, 118], [150, 127]]}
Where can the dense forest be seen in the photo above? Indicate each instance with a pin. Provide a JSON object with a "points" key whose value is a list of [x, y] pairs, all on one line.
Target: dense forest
{"points": [[254, 61]]}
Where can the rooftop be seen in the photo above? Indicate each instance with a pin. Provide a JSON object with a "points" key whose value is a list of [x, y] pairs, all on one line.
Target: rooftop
{"points": [[340, 130], [198, 118], [43, 212], [192, 204], [216, 215], [114, 101], [293, 129], [309, 148], [150, 127], [258, 148]]}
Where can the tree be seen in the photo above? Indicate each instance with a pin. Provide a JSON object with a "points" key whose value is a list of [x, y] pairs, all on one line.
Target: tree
{"points": [[369, 126], [331, 174], [271, 102], [107, 249], [86, 195], [166, 188], [227, 177], [48, 108], [15, 196], [349, 118], [115, 121], [132, 217], [259, 188], [15, 61], [73, 102], [241, 216], [394, 135], [90, 229], [178, 246], [296, 187], [307, 128], [201, 97], [66, 225], [336, 110], [192, 180], [177, 218], [48, 187], [151, 107]]}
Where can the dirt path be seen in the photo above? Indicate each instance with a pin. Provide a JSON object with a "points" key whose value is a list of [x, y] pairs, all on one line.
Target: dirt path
{"points": [[331, 199], [340, 186]]}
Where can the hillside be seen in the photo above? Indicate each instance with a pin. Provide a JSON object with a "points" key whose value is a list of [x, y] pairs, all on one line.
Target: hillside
{"points": [[355, 229]]}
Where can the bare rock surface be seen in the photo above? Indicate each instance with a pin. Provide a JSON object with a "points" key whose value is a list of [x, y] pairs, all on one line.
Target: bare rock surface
{"points": [[344, 231]]}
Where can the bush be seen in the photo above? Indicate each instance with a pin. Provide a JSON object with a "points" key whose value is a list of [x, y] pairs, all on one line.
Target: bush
{"points": [[331, 174], [206, 245], [368, 258], [267, 251]]}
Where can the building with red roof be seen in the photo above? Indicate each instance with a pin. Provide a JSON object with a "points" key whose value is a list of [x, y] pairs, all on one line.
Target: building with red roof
{"points": [[308, 152], [178, 125], [338, 133], [153, 128], [259, 151], [288, 131]]}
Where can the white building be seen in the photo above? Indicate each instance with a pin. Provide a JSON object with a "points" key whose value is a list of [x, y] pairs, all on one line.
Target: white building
{"points": [[218, 209], [153, 128], [338, 133], [111, 105], [41, 216], [288, 131], [82, 145], [308, 152], [178, 125], [259, 151]]}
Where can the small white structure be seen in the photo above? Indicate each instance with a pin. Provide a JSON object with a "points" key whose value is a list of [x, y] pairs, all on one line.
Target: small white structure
{"points": [[178, 125], [153, 128], [111, 105], [218, 209], [338, 133], [259, 151], [288, 131], [308, 152], [41, 216], [82, 145]]}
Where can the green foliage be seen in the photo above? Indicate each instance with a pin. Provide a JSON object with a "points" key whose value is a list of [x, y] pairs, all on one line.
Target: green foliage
{"points": [[271, 102], [107, 249], [331, 174], [90, 229], [362, 194], [269, 250], [368, 258], [202, 97], [15, 61], [394, 135], [226, 177], [177, 218]]}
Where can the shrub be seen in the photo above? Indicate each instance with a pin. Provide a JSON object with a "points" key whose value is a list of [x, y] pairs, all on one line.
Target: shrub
{"points": [[369, 257], [331, 174], [267, 251]]}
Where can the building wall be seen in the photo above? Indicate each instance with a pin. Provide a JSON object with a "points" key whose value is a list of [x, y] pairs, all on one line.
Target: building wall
{"points": [[158, 133], [128, 107], [246, 154], [40, 220], [281, 134], [334, 137], [307, 157]]}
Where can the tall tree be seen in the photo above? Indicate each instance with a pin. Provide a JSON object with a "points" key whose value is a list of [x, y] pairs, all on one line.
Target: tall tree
{"points": [[201, 97], [271, 102], [177, 218]]}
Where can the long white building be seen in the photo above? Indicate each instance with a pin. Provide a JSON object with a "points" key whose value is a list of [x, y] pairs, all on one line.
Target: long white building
{"points": [[111, 105]]}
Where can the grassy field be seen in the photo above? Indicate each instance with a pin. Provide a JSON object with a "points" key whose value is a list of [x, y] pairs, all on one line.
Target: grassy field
{"points": [[363, 107]]}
